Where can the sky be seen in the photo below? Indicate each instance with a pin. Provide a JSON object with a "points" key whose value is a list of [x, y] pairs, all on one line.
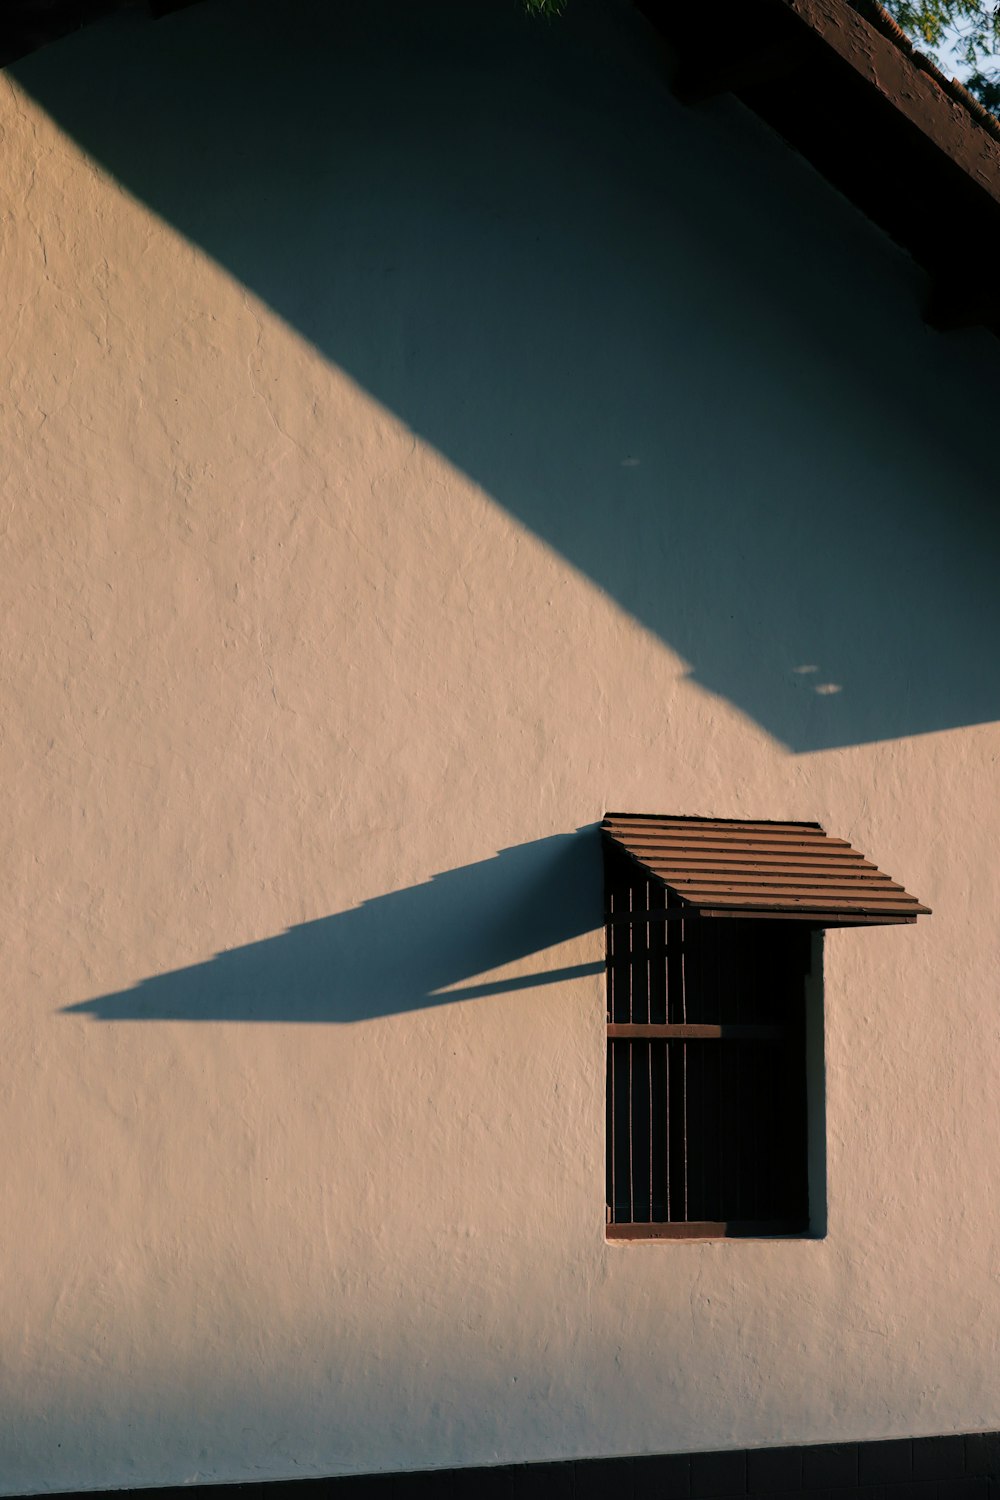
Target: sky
{"points": [[951, 63]]}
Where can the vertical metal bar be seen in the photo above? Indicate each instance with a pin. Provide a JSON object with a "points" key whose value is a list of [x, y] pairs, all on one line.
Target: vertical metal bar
{"points": [[610, 1127], [609, 948], [681, 1206], [631, 1050], [684, 1097], [631, 954], [684, 931], [651, 1122], [664, 1173], [648, 894], [735, 980], [716, 951], [737, 1146], [720, 1095], [670, 938], [610, 1131], [754, 1137], [648, 1010], [704, 1153], [631, 1115], [666, 1122]]}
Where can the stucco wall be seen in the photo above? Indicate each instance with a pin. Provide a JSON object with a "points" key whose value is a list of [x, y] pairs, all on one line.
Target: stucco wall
{"points": [[419, 435]]}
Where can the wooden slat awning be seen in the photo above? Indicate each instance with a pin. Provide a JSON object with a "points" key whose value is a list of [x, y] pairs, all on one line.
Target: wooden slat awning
{"points": [[726, 867]]}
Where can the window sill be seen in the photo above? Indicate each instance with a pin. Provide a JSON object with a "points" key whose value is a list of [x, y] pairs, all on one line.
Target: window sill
{"points": [[738, 1229]]}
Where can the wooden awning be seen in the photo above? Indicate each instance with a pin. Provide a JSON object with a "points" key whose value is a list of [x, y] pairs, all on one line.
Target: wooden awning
{"points": [[723, 867]]}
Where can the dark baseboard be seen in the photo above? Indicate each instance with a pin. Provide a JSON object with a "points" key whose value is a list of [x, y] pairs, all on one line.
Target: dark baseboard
{"points": [[927, 1468]]}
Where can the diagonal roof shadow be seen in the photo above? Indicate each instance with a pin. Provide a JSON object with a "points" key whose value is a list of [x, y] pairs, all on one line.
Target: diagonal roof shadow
{"points": [[404, 951], [656, 339]]}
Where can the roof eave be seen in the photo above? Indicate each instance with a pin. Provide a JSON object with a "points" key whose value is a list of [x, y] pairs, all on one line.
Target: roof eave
{"points": [[919, 156]]}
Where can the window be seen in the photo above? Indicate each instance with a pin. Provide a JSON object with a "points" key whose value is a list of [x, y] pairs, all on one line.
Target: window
{"points": [[711, 943]]}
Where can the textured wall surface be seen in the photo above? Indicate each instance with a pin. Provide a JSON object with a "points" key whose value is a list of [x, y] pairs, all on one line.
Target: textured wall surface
{"points": [[419, 434]]}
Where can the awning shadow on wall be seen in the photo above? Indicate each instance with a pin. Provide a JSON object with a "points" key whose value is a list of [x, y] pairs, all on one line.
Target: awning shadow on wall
{"points": [[401, 952], [655, 339]]}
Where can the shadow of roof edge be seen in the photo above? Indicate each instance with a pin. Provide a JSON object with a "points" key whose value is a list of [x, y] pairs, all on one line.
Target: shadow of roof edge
{"points": [[921, 157]]}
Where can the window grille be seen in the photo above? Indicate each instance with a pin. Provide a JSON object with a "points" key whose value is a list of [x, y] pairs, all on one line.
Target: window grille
{"points": [[709, 944], [706, 1127]]}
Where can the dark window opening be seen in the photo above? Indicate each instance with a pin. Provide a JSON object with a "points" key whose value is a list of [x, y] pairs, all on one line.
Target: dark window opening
{"points": [[707, 1124]]}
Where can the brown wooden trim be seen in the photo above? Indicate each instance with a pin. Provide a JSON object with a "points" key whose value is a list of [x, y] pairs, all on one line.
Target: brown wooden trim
{"points": [[818, 845], [666, 821], [767, 901], [707, 1230], [777, 883], [798, 900], [712, 839], [835, 864], [819, 915], [692, 1031], [778, 878], [817, 918]]}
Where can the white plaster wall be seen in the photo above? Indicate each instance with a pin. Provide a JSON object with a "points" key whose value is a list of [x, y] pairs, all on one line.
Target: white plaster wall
{"points": [[270, 652]]}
